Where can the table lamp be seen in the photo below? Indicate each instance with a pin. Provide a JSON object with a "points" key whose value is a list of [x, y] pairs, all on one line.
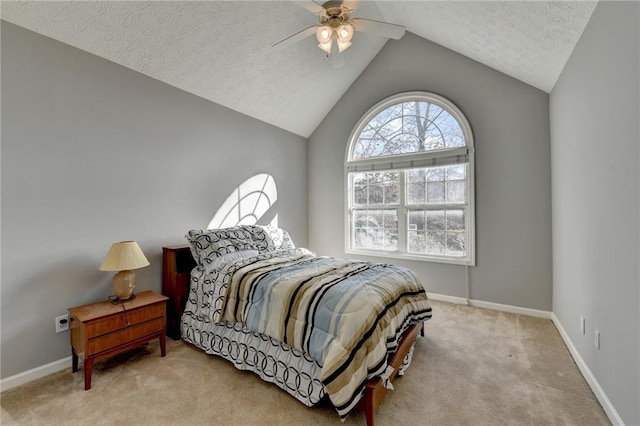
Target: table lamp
{"points": [[123, 257]]}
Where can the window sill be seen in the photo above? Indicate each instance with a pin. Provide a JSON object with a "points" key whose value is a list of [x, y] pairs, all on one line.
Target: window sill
{"points": [[413, 257]]}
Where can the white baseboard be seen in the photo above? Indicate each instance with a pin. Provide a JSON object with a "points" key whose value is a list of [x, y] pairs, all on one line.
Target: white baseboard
{"points": [[490, 305], [608, 407], [34, 374]]}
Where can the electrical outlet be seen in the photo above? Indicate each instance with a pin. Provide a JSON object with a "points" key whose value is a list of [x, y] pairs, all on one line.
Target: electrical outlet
{"points": [[596, 339], [62, 323], [583, 325]]}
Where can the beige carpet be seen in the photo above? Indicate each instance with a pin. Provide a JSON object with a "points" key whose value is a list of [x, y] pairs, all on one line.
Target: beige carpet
{"points": [[474, 367]]}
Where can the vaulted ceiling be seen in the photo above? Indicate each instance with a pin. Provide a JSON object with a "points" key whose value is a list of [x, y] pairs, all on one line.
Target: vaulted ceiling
{"points": [[221, 50]]}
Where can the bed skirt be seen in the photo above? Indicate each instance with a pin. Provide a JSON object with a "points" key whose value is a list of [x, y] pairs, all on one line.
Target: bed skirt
{"points": [[275, 362]]}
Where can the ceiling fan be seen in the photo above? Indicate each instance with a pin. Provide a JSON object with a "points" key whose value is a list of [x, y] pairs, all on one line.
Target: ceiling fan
{"points": [[336, 28]]}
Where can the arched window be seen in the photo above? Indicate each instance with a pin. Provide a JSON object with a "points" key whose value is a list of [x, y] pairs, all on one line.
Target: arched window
{"points": [[410, 188]]}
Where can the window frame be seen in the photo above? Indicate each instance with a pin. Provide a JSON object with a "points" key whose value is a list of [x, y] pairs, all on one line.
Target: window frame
{"points": [[404, 162]]}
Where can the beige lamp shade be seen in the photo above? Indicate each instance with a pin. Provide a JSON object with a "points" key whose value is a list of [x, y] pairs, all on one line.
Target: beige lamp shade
{"points": [[123, 257]]}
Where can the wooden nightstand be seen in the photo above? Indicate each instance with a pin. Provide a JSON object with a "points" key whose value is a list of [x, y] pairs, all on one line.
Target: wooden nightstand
{"points": [[103, 329]]}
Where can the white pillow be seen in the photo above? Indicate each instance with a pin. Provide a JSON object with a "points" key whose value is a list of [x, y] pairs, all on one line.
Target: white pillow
{"points": [[280, 238], [225, 259]]}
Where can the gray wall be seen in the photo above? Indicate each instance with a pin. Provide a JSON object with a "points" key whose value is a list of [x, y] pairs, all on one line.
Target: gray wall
{"points": [[594, 140], [510, 122], [94, 153]]}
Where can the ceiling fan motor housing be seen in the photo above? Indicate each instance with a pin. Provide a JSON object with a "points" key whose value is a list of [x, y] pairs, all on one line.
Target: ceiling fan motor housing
{"points": [[335, 14]]}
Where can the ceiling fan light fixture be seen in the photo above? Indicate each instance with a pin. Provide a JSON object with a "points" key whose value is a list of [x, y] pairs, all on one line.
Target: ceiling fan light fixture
{"points": [[326, 47], [345, 33], [324, 34], [343, 45]]}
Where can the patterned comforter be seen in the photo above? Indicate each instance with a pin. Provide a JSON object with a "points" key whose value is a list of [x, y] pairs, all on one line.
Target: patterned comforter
{"points": [[347, 315]]}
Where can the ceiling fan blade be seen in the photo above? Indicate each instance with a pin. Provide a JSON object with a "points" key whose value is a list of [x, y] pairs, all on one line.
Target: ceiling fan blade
{"points": [[337, 60], [351, 4], [310, 5], [383, 29], [292, 39]]}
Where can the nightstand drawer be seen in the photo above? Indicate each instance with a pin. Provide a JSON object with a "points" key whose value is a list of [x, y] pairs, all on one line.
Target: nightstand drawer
{"points": [[118, 321], [128, 334]]}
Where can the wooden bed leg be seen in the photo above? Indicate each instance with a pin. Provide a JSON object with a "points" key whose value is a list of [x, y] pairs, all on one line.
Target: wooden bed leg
{"points": [[422, 330], [374, 389], [370, 407]]}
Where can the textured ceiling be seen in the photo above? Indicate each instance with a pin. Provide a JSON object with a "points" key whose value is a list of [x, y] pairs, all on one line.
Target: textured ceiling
{"points": [[528, 40], [222, 51]]}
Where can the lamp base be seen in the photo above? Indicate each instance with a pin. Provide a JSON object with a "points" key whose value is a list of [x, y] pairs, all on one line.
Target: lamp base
{"points": [[115, 299], [124, 282]]}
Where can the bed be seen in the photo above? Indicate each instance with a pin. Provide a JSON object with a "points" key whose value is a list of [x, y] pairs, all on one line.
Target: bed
{"points": [[317, 327]]}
